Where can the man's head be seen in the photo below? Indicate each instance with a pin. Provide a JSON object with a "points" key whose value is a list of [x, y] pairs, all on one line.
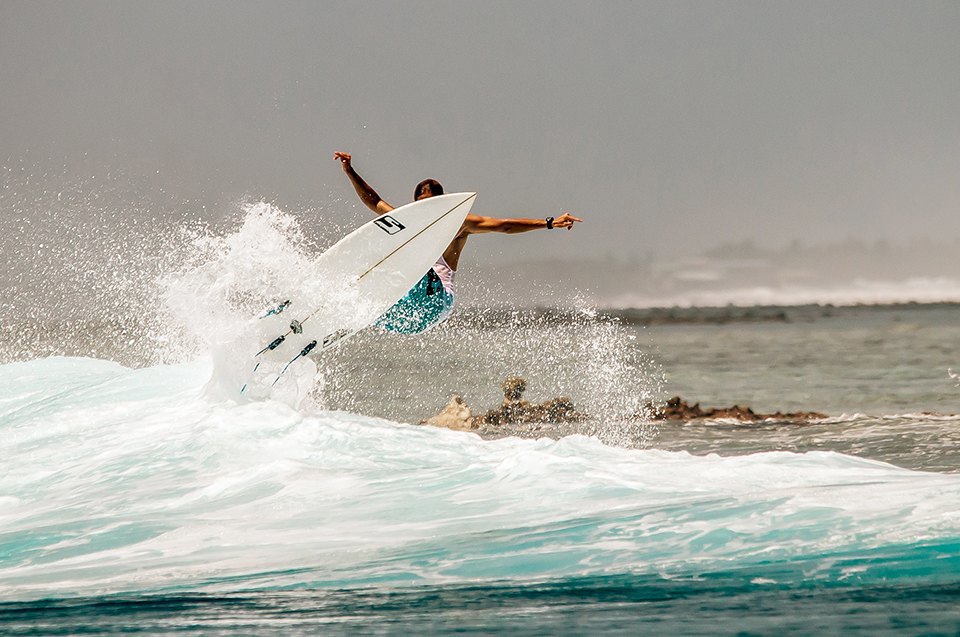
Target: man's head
{"points": [[427, 188]]}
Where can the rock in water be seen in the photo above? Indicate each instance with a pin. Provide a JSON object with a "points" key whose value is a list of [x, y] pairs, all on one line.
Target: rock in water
{"points": [[456, 415], [512, 411], [513, 388], [678, 409]]}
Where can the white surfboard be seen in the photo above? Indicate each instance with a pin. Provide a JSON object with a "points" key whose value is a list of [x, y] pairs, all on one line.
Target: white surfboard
{"points": [[363, 275]]}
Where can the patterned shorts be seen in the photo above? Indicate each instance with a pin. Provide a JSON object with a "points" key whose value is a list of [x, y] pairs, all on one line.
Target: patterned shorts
{"points": [[426, 305]]}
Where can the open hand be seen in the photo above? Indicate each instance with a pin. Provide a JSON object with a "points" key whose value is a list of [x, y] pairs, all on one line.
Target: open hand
{"points": [[344, 159], [566, 220]]}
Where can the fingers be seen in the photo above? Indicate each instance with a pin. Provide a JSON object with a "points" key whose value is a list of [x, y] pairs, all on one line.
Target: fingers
{"points": [[566, 220], [344, 160]]}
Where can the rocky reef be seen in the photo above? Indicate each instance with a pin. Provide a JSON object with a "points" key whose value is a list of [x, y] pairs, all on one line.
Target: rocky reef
{"points": [[678, 409], [516, 412]]}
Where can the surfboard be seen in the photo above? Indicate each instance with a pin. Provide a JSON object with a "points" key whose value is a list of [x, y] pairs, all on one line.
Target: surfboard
{"points": [[362, 276]]}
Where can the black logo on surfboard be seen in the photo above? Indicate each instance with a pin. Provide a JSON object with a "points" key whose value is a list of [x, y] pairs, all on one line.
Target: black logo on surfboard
{"points": [[389, 225]]}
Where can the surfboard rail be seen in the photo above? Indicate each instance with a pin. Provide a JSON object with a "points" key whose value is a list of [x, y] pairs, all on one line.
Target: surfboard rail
{"points": [[400, 245]]}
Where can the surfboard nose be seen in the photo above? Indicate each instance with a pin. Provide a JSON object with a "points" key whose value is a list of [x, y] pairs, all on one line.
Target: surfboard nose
{"points": [[463, 197]]}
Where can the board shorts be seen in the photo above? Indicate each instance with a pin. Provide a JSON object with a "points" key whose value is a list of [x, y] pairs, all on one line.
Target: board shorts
{"points": [[426, 305]]}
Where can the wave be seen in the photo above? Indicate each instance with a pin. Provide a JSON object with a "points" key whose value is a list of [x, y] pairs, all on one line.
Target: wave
{"points": [[857, 292], [123, 480]]}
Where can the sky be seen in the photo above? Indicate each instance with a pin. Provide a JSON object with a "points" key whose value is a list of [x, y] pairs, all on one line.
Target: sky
{"points": [[668, 126]]}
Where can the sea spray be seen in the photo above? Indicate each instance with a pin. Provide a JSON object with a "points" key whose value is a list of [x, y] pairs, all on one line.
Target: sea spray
{"points": [[228, 283], [243, 290], [591, 358], [81, 259], [103, 270], [232, 279], [106, 264]]}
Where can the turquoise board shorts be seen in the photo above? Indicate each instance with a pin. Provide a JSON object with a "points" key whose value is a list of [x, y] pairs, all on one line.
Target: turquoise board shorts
{"points": [[426, 305]]}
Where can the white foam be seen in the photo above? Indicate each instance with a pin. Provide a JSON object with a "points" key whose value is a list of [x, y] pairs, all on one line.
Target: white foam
{"points": [[860, 291], [218, 296], [132, 480]]}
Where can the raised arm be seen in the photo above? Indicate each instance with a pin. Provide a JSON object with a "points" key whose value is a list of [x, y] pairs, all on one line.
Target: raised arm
{"points": [[367, 195], [475, 224]]}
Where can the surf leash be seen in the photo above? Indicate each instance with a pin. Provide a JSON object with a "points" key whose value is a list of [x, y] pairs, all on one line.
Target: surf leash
{"points": [[277, 310], [255, 368]]}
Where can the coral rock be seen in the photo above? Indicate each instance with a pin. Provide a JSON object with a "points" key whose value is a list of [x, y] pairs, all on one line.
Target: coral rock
{"points": [[456, 415], [513, 388], [512, 411]]}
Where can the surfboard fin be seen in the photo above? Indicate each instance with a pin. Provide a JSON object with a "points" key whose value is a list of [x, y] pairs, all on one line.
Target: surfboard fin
{"points": [[273, 344], [295, 328], [306, 350]]}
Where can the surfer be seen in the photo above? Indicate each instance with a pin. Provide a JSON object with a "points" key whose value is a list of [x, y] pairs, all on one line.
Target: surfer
{"points": [[430, 301]]}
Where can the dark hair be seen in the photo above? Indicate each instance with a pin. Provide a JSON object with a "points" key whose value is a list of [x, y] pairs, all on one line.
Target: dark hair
{"points": [[433, 184]]}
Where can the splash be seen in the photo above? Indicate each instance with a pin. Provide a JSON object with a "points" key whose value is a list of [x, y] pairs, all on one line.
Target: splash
{"points": [[241, 290], [81, 261], [593, 359], [109, 265], [571, 350], [225, 284], [104, 267]]}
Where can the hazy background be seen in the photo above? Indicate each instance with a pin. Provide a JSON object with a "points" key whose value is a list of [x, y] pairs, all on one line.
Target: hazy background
{"points": [[673, 128]]}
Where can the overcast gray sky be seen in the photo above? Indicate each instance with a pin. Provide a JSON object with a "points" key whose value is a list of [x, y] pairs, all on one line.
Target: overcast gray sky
{"points": [[666, 125]]}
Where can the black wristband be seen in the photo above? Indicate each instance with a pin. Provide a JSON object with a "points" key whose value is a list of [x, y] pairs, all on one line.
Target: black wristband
{"points": [[549, 221]]}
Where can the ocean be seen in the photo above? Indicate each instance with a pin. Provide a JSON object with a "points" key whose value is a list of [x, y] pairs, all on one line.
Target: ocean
{"points": [[141, 493]]}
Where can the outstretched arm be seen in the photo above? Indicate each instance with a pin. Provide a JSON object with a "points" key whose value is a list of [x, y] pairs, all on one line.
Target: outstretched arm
{"points": [[475, 224], [367, 195]]}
